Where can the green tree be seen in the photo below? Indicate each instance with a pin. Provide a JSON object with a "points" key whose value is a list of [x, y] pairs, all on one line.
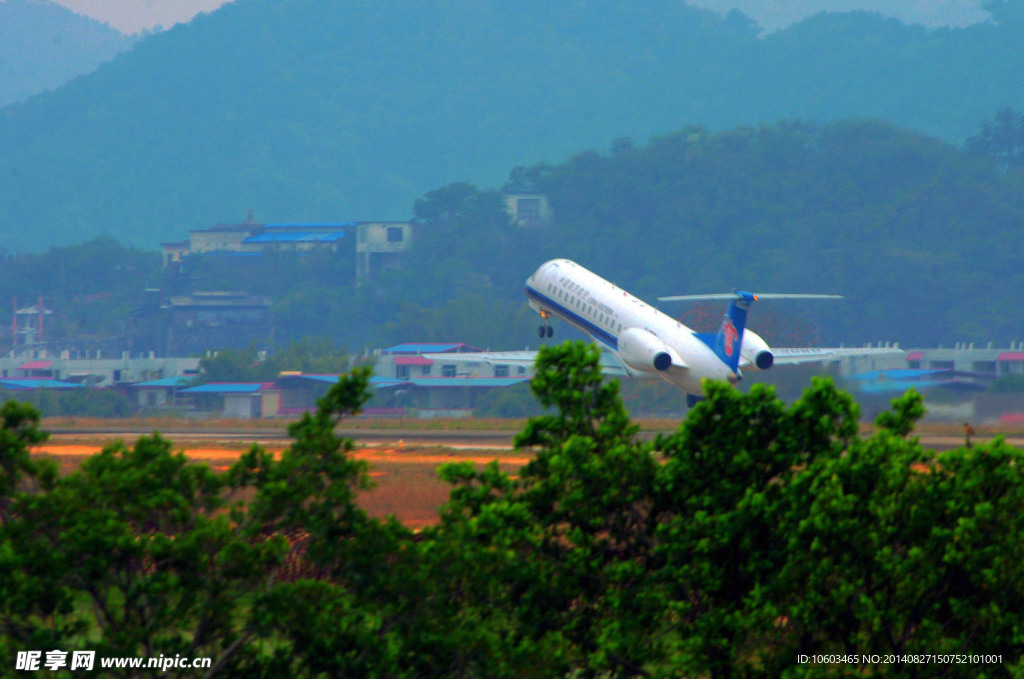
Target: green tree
{"points": [[309, 355], [233, 365], [570, 539], [904, 550], [784, 533], [1001, 139], [718, 499], [444, 204], [127, 556], [90, 288], [140, 552], [754, 533], [331, 618], [83, 402], [19, 431]]}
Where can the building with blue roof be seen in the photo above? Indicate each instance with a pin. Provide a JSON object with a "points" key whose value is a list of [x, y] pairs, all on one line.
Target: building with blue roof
{"points": [[159, 393], [226, 388], [429, 347], [238, 400], [379, 246], [298, 240], [251, 238], [301, 226], [22, 383], [165, 382]]}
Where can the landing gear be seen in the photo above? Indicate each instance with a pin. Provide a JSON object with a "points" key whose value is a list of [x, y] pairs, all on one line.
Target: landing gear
{"points": [[692, 400], [545, 330]]}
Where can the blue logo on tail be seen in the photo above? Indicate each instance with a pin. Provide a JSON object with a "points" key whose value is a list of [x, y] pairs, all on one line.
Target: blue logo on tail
{"points": [[728, 343]]}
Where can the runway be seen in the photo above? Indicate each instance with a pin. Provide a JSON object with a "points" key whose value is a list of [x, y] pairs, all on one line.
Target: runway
{"points": [[443, 438], [456, 439]]}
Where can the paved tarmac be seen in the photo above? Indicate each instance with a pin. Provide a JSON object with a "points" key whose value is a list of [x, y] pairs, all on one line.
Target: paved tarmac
{"points": [[442, 438]]}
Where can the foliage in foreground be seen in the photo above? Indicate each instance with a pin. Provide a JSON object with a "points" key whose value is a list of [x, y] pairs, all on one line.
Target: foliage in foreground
{"points": [[755, 533]]}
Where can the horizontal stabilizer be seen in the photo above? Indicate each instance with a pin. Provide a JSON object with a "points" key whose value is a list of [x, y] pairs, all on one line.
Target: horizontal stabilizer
{"points": [[733, 295], [793, 356]]}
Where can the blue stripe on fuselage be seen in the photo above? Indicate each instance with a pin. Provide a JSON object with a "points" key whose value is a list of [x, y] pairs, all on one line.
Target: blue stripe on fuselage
{"points": [[595, 331]]}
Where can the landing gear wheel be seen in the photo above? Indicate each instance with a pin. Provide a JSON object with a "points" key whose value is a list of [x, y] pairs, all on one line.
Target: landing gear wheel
{"points": [[551, 331], [541, 331]]}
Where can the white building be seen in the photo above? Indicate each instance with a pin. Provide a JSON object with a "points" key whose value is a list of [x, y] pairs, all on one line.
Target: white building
{"points": [[97, 371], [380, 247]]}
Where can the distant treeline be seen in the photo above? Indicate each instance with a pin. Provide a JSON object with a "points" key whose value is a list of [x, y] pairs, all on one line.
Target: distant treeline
{"points": [[919, 236], [922, 238]]}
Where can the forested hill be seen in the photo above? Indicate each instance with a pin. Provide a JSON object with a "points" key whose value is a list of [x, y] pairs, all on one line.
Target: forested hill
{"points": [[44, 45], [922, 238], [317, 110]]}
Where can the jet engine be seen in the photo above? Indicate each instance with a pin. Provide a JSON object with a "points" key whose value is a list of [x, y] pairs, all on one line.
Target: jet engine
{"points": [[756, 351], [641, 350]]}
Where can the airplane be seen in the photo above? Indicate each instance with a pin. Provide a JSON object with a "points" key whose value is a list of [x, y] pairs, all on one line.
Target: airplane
{"points": [[641, 341]]}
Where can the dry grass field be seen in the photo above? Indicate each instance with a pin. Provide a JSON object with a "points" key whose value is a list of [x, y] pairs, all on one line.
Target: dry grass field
{"points": [[405, 478], [405, 475]]}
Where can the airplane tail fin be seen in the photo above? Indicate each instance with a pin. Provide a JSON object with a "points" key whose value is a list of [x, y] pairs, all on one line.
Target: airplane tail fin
{"points": [[728, 343], [729, 340]]}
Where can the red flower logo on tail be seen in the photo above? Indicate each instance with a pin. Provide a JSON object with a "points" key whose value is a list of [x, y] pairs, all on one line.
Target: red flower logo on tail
{"points": [[729, 331]]}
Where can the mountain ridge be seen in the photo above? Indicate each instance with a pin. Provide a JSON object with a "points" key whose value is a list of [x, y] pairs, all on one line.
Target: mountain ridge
{"points": [[43, 45], [312, 110]]}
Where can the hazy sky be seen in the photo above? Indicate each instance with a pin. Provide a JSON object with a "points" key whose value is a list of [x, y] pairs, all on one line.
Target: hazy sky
{"points": [[776, 14], [131, 16]]}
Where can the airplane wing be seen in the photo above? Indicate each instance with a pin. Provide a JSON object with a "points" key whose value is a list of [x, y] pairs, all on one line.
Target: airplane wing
{"points": [[488, 357], [610, 364], [793, 356]]}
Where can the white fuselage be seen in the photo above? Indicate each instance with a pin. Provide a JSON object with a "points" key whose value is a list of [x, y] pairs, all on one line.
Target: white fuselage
{"points": [[607, 313]]}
